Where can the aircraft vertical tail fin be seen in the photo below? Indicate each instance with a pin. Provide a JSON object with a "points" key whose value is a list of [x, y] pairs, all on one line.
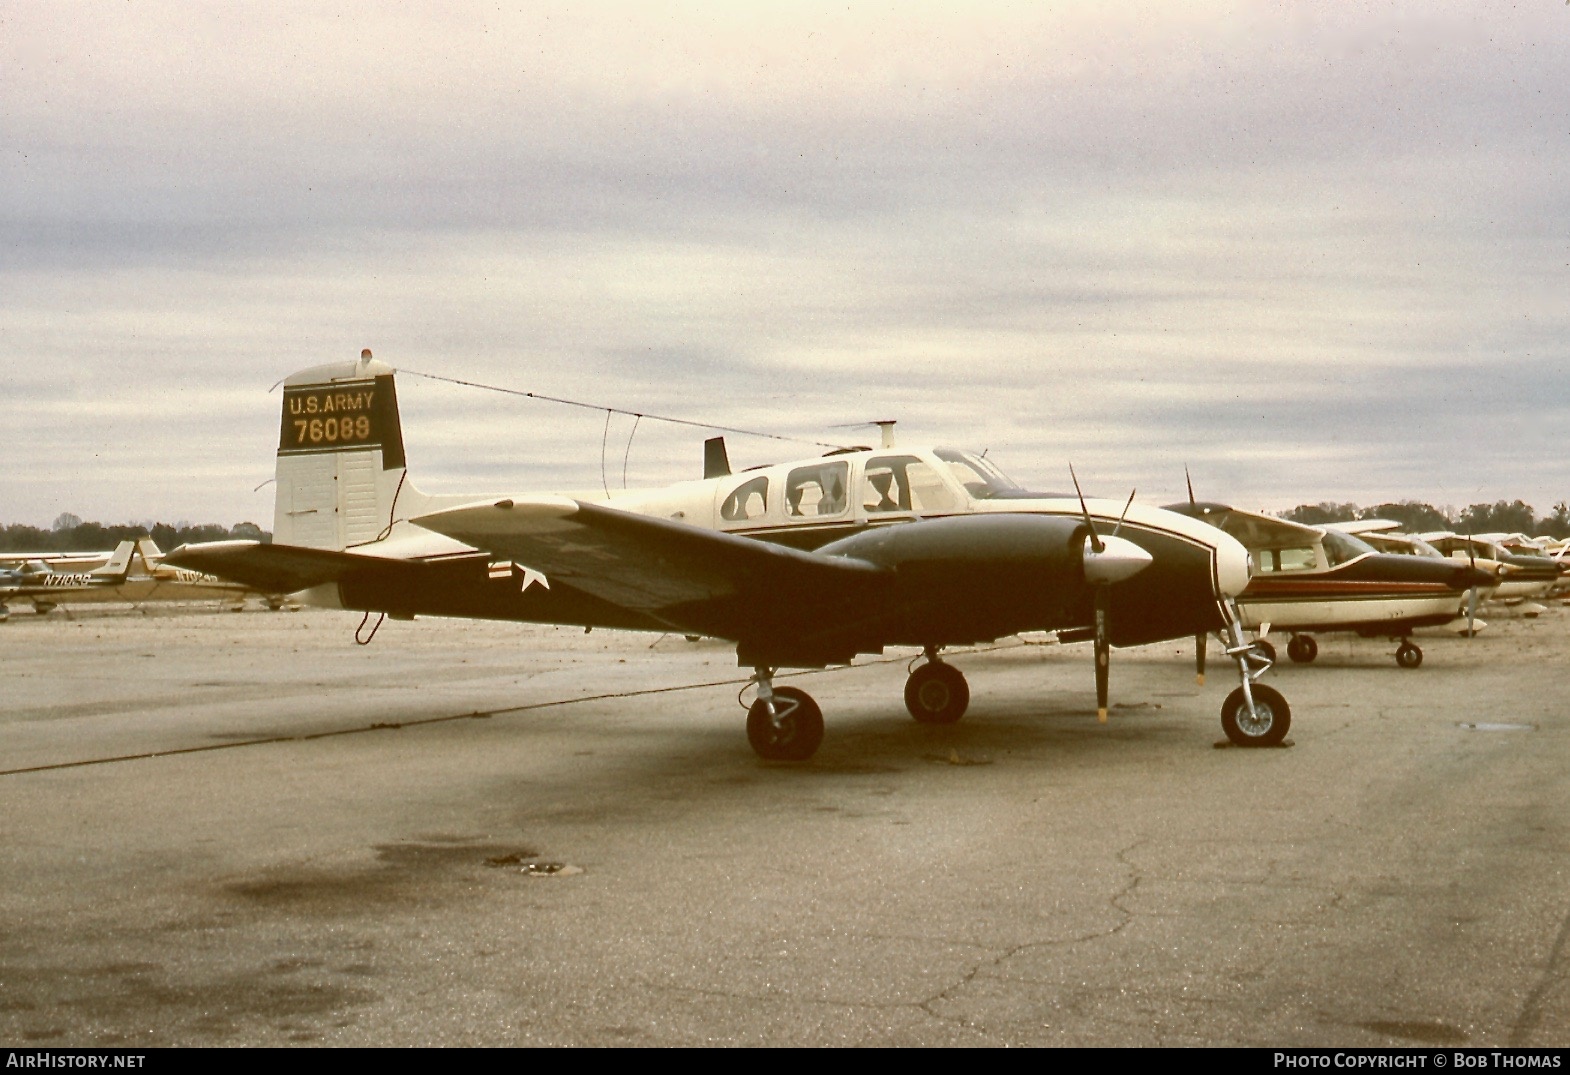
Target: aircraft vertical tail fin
{"points": [[149, 552], [119, 564], [340, 473]]}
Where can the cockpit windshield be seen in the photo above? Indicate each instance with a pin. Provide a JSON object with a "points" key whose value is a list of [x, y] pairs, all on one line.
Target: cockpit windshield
{"points": [[981, 479], [1341, 547]]}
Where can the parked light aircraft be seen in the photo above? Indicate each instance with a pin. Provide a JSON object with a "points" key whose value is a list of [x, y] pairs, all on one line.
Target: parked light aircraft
{"points": [[46, 587], [1521, 576], [805, 564], [133, 573], [1385, 535], [1315, 579]]}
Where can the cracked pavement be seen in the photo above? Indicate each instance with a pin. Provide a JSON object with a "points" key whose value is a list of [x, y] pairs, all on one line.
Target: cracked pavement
{"points": [[310, 842]]}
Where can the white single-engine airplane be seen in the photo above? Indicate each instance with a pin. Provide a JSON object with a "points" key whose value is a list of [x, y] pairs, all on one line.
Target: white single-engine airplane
{"points": [[1315, 579], [804, 565], [46, 587]]}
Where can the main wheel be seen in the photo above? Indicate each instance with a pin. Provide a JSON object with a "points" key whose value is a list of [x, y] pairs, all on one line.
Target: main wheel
{"points": [[1265, 649], [1302, 649], [1408, 655], [1268, 724], [794, 735], [937, 693]]}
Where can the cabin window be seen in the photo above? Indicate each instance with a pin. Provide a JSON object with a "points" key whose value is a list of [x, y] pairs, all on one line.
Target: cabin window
{"points": [[817, 490], [904, 483], [1301, 558], [749, 500]]}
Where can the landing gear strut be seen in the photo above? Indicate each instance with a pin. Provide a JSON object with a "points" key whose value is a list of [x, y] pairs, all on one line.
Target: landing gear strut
{"points": [[1253, 715], [936, 693], [783, 724]]}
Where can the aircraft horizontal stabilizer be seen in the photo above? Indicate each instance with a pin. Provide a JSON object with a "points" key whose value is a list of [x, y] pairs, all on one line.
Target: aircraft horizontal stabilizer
{"points": [[274, 569]]}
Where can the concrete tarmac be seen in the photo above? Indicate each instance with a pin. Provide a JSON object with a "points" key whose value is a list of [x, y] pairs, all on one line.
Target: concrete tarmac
{"points": [[221, 829]]}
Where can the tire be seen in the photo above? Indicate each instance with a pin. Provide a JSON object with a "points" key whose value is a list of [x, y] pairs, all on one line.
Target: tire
{"points": [[800, 728], [1302, 649], [937, 693], [1409, 656], [1263, 647], [1274, 718]]}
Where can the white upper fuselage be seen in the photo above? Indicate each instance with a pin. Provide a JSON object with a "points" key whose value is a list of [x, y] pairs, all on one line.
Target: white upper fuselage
{"points": [[810, 502]]}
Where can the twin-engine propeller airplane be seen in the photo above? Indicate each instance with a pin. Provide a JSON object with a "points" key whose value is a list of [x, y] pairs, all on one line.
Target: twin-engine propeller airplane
{"points": [[802, 565], [1316, 579]]}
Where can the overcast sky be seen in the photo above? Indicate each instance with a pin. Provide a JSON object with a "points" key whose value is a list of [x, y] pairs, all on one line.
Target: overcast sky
{"points": [[1314, 252]]}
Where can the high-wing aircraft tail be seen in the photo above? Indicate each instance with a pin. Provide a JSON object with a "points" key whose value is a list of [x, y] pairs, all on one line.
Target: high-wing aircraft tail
{"points": [[149, 553], [119, 564]]}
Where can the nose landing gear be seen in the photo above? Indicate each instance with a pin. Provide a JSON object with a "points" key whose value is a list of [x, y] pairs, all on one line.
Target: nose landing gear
{"points": [[1253, 715]]}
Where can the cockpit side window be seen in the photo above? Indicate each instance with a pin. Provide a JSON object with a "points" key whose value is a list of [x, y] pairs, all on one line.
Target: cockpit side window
{"points": [[818, 490], [1301, 558], [904, 483], [747, 501]]}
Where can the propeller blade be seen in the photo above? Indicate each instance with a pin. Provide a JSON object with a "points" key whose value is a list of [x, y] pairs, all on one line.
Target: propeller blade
{"points": [[1103, 654], [1190, 482], [1130, 504], [1200, 645], [1095, 539], [1471, 613]]}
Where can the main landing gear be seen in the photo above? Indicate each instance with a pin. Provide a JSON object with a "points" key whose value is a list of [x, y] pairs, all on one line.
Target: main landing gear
{"points": [[1253, 715], [936, 693], [784, 723], [1303, 649]]}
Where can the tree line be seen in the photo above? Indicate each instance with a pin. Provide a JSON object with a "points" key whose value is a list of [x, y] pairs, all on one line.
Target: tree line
{"points": [[1508, 517], [70, 534]]}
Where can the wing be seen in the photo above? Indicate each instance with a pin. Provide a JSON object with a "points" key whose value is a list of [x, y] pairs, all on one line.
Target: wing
{"points": [[681, 575]]}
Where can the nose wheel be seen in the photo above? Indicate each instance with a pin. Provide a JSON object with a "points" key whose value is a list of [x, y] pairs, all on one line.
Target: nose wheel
{"points": [[1264, 724], [1253, 715], [1408, 655], [936, 693]]}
